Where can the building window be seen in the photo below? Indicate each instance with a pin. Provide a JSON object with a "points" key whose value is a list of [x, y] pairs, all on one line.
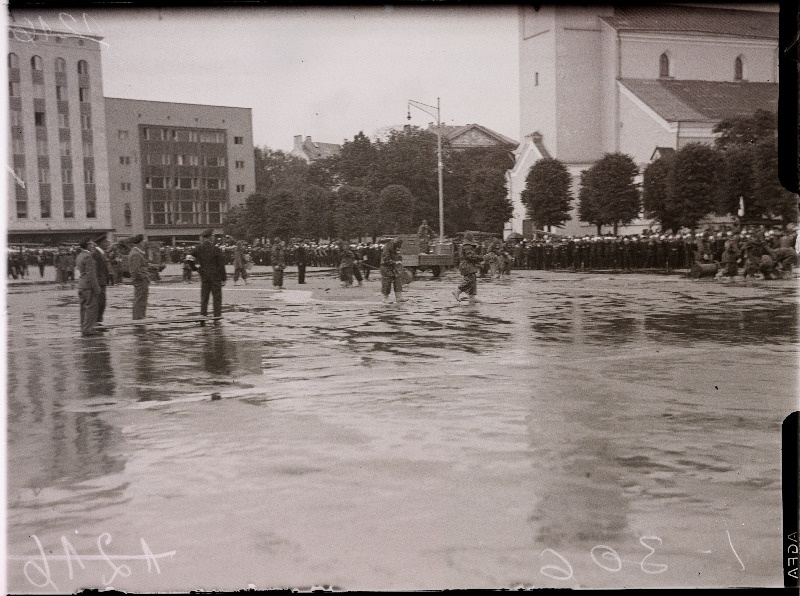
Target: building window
{"points": [[38, 118], [69, 202], [238, 140], [36, 63], [61, 65], [88, 176], [122, 134], [22, 207], [240, 188], [41, 147], [66, 176], [83, 67], [212, 184], [239, 165], [61, 93], [16, 118], [166, 159], [194, 137], [65, 148], [146, 134], [13, 60], [13, 89], [221, 162], [44, 175], [44, 202], [63, 120], [128, 218], [124, 160], [126, 186], [18, 146], [83, 94], [738, 69], [86, 121], [536, 79], [88, 149], [38, 90], [663, 65], [91, 207]]}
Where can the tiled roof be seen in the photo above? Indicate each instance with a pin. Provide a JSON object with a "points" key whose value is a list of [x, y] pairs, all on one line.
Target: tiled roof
{"points": [[703, 101], [455, 131], [688, 19], [321, 150]]}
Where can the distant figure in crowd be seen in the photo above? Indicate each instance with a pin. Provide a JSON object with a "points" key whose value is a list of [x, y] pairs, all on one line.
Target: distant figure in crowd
{"points": [[425, 235], [278, 263], [347, 265], [140, 276], [211, 261], [103, 270], [301, 256], [188, 267], [40, 263], [88, 288], [239, 264], [391, 277], [468, 267]]}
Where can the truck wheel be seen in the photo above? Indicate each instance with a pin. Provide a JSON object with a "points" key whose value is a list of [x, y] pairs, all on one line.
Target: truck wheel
{"points": [[436, 270]]}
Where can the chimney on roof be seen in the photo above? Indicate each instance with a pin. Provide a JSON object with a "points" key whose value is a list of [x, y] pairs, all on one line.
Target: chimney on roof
{"points": [[298, 142], [308, 139]]}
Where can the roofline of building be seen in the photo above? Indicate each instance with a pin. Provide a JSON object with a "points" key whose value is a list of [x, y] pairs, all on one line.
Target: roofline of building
{"points": [[182, 103], [53, 32]]}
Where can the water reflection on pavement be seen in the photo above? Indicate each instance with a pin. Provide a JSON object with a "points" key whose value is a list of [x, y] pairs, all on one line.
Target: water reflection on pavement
{"points": [[569, 431]]}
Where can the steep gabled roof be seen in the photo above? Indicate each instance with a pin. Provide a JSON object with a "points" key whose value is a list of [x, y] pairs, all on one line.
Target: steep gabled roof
{"points": [[695, 20], [452, 133], [703, 101], [316, 150]]}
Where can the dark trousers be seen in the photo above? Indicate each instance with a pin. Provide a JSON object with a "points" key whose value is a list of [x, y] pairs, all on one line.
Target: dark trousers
{"points": [[277, 277], [469, 284], [141, 287], [101, 304], [301, 273], [213, 289]]}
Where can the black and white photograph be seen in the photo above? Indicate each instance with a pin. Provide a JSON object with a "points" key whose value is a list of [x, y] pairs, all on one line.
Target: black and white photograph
{"points": [[414, 297]]}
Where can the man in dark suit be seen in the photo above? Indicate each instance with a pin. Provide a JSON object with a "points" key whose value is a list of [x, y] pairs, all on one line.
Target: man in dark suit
{"points": [[211, 262]]}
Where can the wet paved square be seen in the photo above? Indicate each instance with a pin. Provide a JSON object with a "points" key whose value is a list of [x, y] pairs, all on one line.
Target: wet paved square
{"points": [[572, 430]]}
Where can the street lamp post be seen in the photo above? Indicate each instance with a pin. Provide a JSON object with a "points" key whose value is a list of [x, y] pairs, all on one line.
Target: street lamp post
{"points": [[425, 108]]}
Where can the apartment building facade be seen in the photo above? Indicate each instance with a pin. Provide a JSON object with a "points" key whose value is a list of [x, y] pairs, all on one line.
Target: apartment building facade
{"points": [[176, 169]]}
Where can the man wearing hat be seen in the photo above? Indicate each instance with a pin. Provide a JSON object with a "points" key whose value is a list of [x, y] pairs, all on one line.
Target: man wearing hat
{"points": [[211, 261], [468, 266], [140, 276]]}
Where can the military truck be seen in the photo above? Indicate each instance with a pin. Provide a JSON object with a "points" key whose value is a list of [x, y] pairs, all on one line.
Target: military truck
{"points": [[420, 255]]}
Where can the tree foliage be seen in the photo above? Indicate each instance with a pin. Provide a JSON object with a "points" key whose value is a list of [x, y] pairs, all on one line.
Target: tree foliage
{"points": [[354, 211], [547, 195], [655, 194], [608, 193], [487, 199], [395, 210], [692, 183]]}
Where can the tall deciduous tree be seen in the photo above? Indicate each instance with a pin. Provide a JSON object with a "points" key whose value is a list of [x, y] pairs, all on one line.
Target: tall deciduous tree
{"points": [[318, 213], [692, 183], [655, 194], [488, 200], [547, 195], [354, 208], [277, 169], [281, 214], [395, 210], [608, 194]]}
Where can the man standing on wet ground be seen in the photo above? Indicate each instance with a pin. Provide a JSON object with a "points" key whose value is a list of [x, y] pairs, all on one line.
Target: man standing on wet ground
{"points": [[211, 261], [98, 251], [301, 256], [278, 256], [140, 276], [391, 270], [468, 266], [239, 264], [88, 288]]}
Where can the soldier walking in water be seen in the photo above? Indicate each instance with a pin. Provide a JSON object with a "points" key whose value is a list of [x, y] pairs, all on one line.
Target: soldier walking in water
{"points": [[390, 276], [468, 266]]}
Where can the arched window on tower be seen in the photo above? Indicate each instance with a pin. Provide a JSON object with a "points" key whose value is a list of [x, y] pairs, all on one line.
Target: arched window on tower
{"points": [[36, 63], [13, 60], [61, 65], [83, 67], [663, 65], [738, 69]]}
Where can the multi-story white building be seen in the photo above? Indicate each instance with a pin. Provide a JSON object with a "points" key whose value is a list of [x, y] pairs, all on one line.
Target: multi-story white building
{"points": [[176, 169], [58, 191], [599, 79]]}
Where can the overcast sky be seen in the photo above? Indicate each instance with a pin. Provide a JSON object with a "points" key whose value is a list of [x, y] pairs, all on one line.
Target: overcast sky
{"points": [[327, 73]]}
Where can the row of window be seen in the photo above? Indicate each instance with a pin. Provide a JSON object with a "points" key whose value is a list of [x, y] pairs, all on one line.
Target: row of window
{"points": [[184, 212], [66, 175], [155, 182], [664, 67], [37, 64], [63, 119], [192, 136], [46, 203], [43, 147], [84, 93], [186, 160]]}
